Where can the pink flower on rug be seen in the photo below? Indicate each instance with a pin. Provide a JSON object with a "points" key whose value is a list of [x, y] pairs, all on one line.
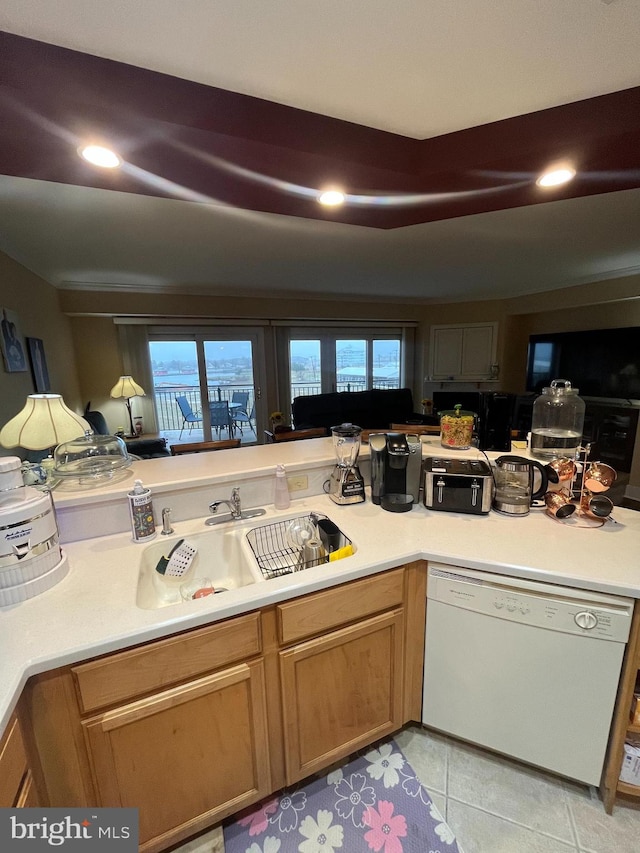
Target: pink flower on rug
{"points": [[386, 830], [258, 820]]}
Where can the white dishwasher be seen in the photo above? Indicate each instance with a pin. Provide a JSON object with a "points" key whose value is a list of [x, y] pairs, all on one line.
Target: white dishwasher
{"points": [[524, 668]]}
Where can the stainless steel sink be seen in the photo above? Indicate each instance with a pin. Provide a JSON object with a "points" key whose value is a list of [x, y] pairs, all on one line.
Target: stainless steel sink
{"points": [[220, 558]]}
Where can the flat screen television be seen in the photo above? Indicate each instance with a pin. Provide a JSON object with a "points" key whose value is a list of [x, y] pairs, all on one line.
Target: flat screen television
{"points": [[600, 363]]}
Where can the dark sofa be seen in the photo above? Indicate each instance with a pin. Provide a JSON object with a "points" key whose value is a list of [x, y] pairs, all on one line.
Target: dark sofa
{"points": [[368, 409]]}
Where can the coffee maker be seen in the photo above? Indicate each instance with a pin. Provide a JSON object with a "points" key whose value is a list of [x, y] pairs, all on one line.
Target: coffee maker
{"points": [[346, 485], [495, 416], [396, 462]]}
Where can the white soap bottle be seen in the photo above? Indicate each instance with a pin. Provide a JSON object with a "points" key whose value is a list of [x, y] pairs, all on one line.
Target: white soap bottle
{"points": [[143, 523], [281, 499]]}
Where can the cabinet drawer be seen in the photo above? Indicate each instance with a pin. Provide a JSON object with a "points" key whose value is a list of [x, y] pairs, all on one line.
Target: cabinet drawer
{"points": [[13, 765], [322, 611], [148, 668]]}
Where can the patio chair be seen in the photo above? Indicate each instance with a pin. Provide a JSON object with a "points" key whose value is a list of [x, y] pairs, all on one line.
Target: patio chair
{"points": [[220, 416], [239, 413], [188, 415]]}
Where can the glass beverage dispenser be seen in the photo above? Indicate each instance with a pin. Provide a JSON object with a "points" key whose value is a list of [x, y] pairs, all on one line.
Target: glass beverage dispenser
{"points": [[557, 422]]}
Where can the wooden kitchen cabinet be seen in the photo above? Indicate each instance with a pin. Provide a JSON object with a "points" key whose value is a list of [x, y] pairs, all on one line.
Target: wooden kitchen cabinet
{"points": [[185, 757], [622, 727], [16, 780], [341, 689], [176, 728], [186, 742], [463, 353], [341, 692], [194, 727]]}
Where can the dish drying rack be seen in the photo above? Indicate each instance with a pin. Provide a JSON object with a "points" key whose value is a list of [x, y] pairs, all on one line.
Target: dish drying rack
{"points": [[275, 551]]}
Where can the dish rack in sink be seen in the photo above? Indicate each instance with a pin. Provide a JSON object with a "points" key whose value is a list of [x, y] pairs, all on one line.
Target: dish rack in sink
{"points": [[278, 548]]}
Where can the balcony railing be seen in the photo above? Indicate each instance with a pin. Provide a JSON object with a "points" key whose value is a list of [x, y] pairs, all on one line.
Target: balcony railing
{"points": [[305, 390], [168, 413]]}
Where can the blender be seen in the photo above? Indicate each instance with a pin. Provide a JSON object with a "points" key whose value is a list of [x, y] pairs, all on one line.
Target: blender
{"points": [[346, 485]]}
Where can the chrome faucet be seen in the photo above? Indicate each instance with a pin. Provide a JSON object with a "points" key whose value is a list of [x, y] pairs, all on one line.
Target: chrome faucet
{"points": [[235, 509], [235, 506], [167, 529]]}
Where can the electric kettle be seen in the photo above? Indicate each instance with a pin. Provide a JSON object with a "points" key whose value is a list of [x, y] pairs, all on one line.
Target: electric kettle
{"points": [[514, 477]]}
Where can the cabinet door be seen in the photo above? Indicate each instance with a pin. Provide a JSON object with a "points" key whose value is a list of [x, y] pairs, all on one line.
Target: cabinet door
{"points": [[447, 353], [13, 764], [341, 692], [477, 351], [463, 353], [186, 757]]}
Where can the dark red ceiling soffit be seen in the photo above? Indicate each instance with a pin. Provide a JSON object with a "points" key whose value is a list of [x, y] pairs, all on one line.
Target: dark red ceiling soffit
{"points": [[52, 98]]}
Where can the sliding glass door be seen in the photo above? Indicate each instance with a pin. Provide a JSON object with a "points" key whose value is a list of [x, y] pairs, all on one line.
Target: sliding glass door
{"points": [[208, 385]]}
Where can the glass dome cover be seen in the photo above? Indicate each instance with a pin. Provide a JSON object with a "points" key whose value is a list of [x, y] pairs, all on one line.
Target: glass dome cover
{"points": [[91, 456]]}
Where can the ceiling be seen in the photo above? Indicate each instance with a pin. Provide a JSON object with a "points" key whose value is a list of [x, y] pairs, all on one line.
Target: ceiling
{"points": [[435, 117]]}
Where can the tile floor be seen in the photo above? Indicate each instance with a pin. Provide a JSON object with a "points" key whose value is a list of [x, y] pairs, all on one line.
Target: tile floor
{"points": [[494, 805]]}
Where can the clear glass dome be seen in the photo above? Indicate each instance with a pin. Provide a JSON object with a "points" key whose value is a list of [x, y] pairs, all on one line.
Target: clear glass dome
{"points": [[91, 457]]}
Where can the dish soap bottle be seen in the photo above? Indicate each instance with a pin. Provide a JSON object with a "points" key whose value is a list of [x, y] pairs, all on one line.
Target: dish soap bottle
{"points": [[281, 499], [143, 523]]}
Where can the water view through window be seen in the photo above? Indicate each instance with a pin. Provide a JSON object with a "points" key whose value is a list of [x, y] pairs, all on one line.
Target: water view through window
{"points": [[184, 391], [340, 364]]}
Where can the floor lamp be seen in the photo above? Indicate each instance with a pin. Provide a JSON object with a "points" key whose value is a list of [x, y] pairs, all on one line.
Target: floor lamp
{"points": [[127, 388]]}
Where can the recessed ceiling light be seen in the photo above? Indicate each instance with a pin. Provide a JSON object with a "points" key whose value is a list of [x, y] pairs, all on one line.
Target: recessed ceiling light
{"points": [[331, 198], [100, 156], [556, 176]]}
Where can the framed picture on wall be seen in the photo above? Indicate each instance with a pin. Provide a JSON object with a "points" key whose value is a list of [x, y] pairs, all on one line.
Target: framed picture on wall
{"points": [[39, 367], [12, 342]]}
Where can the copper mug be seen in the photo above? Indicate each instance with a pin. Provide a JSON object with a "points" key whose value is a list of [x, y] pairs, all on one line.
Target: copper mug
{"points": [[599, 477], [564, 469], [597, 506], [559, 504]]}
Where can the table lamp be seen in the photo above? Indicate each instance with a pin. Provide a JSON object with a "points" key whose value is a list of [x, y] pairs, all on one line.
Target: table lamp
{"points": [[44, 423], [127, 387]]}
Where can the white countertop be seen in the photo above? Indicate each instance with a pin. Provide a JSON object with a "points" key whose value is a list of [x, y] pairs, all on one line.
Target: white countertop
{"points": [[93, 610]]}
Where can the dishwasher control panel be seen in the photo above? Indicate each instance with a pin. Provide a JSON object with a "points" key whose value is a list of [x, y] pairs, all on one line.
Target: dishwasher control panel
{"points": [[540, 605]]}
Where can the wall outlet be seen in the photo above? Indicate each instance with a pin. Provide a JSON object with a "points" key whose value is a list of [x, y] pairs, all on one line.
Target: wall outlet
{"points": [[298, 483]]}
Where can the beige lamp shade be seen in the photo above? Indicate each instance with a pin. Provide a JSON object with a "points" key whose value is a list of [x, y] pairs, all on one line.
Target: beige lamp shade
{"points": [[44, 422], [127, 387]]}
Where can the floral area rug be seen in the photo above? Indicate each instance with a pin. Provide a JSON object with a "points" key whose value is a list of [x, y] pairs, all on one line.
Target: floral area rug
{"points": [[376, 802]]}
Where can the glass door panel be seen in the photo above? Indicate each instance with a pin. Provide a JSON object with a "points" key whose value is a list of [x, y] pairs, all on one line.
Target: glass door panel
{"points": [[386, 363], [305, 367], [229, 387], [351, 365], [176, 388], [191, 371]]}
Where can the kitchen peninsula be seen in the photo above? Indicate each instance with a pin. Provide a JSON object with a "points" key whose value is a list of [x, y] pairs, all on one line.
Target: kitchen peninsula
{"points": [[84, 661]]}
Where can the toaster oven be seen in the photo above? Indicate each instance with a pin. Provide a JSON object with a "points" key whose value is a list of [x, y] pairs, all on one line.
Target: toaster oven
{"points": [[457, 485]]}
